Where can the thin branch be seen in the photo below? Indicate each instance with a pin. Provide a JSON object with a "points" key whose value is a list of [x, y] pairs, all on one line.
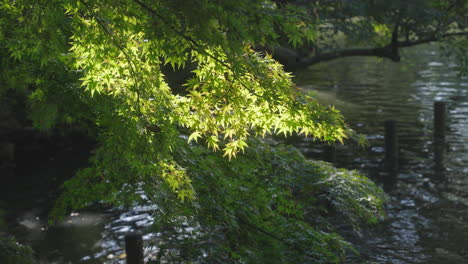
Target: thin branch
{"points": [[195, 45], [133, 70], [277, 238], [192, 42]]}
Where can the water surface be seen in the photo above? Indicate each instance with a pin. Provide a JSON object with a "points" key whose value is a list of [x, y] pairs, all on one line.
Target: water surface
{"points": [[428, 208]]}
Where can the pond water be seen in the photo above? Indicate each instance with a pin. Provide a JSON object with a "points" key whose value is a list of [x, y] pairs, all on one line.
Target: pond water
{"points": [[428, 207]]}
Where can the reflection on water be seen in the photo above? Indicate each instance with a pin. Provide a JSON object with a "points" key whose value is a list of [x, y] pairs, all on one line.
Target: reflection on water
{"points": [[112, 237], [428, 207], [428, 210]]}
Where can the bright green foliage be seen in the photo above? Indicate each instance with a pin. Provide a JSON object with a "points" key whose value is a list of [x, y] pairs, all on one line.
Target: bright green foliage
{"points": [[102, 65], [116, 50]]}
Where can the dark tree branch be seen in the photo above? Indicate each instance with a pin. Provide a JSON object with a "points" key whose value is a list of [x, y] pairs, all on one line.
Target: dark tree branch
{"points": [[391, 51], [374, 52]]}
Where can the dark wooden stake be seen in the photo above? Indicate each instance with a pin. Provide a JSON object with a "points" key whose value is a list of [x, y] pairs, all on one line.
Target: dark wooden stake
{"points": [[440, 118], [391, 145], [134, 248], [330, 153]]}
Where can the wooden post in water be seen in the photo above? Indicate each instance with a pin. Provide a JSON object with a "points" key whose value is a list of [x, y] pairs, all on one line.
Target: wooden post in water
{"points": [[134, 248], [330, 153], [440, 119], [391, 145]]}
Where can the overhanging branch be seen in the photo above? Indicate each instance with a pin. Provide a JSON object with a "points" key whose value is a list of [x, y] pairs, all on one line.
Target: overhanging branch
{"points": [[390, 51], [384, 52]]}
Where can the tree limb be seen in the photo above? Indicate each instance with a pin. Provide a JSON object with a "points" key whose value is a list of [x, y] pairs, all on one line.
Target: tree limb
{"points": [[390, 51], [385, 52]]}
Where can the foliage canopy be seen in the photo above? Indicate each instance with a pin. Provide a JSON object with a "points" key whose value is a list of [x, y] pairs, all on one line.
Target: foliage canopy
{"points": [[109, 66], [116, 52]]}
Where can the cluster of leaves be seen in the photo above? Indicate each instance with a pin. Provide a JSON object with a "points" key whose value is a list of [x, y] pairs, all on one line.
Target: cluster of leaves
{"points": [[11, 252], [269, 205], [115, 52], [35, 63]]}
